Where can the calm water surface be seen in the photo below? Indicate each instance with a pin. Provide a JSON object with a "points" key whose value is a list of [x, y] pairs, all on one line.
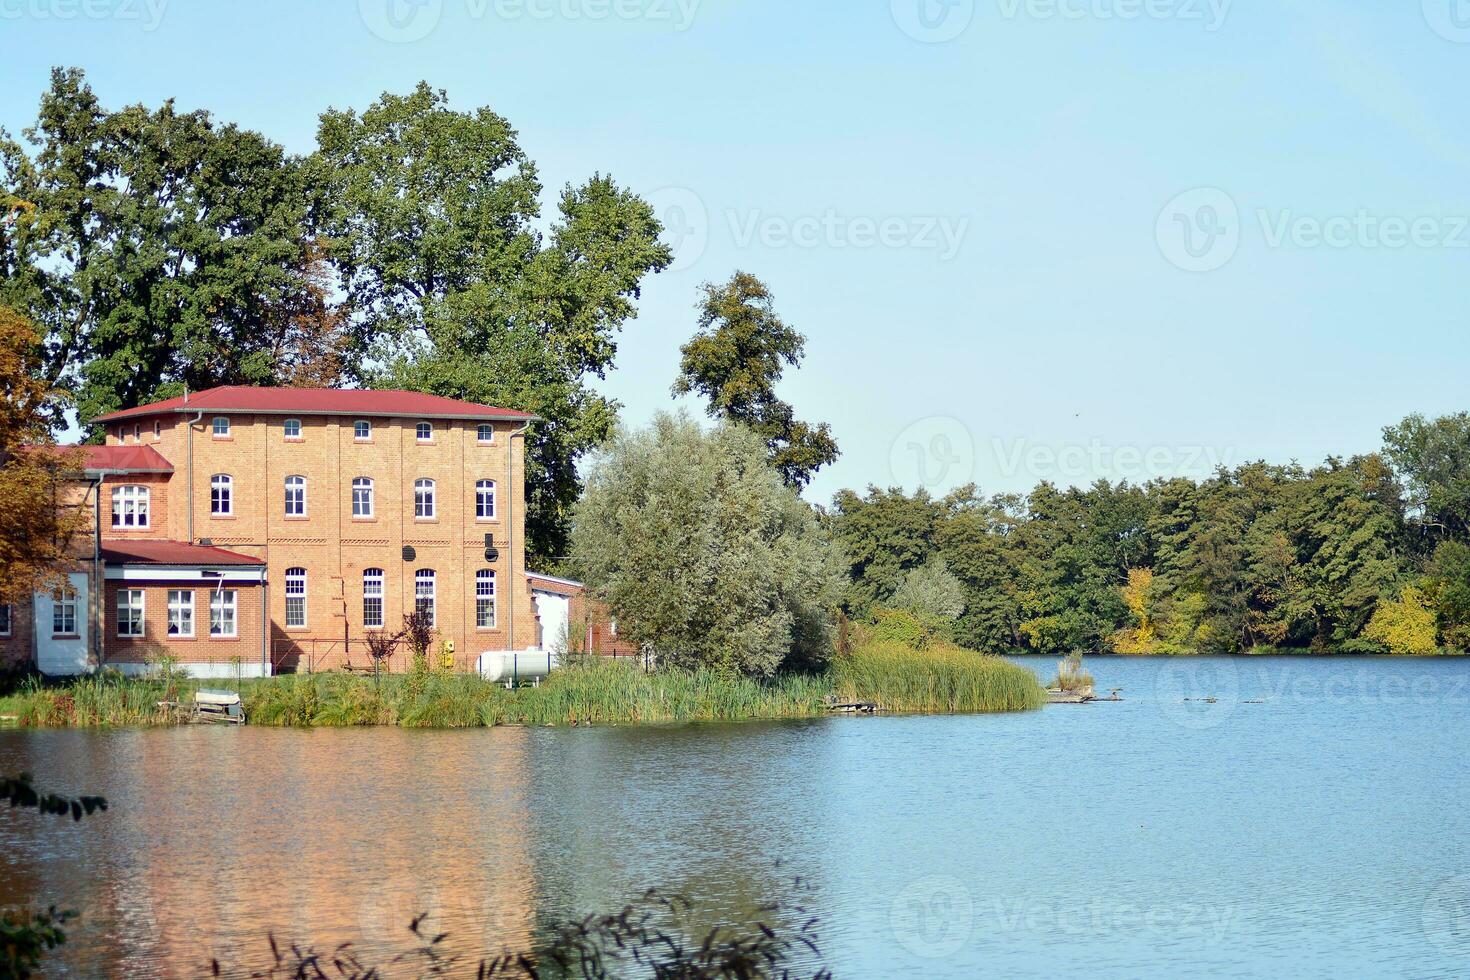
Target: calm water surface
{"points": [[1322, 832]]}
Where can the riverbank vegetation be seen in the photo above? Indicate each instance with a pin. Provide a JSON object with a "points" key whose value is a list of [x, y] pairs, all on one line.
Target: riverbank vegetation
{"points": [[596, 691], [1364, 555]]}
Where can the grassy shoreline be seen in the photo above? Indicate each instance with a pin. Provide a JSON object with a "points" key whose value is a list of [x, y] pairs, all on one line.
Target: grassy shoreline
{"points": [[945, 680]]}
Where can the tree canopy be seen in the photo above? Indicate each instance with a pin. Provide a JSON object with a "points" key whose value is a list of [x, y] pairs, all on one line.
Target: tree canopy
{"points": [[736, 358]]}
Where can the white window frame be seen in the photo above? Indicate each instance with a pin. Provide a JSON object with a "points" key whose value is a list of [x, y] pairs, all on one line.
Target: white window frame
{"points": [[296, 598], [295, 495], [222, 490], [487, 600], [219, 427], [373, 588], [425, 500], [130, 614], [180, 613], [485, 493], [64, 606], [481, 437], [9, 620], [130, 500], [157, 430], [288, 435], [425, 593], [358, 436], [363, 485], [222, 601], [137, 433], [418, 432]]}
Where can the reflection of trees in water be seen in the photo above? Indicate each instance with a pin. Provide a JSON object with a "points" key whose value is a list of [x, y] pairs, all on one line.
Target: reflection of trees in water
{"points": [[707, 812]]}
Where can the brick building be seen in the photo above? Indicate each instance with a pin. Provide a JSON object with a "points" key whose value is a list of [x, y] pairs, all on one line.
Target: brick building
{"points": [[262, 530]]}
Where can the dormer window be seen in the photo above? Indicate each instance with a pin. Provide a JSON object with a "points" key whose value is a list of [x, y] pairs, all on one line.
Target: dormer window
{"points": [[362, 430], [292, 428], [425, 432], [485, 435], [221, 427]]}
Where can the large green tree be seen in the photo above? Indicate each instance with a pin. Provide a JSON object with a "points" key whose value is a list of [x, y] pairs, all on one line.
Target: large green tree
{"points": [[735, 360], [432, 218], [702, 551], [155, 248]]}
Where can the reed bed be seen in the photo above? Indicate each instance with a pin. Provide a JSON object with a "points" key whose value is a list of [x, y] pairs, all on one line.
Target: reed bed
{"points": [[594, 692], [941, 679]]}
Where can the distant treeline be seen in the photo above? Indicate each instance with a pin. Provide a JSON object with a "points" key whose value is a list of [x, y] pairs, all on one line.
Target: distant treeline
{"points": [[1369, 554]]}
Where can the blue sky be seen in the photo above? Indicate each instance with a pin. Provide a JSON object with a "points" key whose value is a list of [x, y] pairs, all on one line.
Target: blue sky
{"points": [[1026, 239]]}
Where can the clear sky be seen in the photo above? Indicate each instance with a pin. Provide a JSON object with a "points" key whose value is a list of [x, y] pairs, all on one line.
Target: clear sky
{"points": [[1026, 239]]}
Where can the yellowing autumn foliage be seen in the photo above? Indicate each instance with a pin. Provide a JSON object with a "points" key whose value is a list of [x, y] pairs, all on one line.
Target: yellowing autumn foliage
{"points": [[1407, 626]]}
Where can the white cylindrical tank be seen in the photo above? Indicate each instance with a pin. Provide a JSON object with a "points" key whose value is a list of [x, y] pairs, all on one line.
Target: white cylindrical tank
{"points": [[527, 665]]}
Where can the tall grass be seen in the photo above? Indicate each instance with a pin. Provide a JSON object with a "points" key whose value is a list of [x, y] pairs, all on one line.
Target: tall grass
{"points": [[598, 691], [1071, 678], [942, 678]]}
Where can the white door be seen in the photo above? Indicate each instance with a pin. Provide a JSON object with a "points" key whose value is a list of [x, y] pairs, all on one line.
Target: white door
{"points": [[552, 613], [61, 629]]}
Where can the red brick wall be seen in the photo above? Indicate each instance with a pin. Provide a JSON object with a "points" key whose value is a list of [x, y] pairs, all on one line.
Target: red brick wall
{"points": [[203, 648], [15, 650]]}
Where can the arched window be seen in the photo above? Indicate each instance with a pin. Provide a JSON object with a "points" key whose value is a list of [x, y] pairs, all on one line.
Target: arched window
{"points": [[485, 599], [295, 496], [130, 506], [485, 500], [221, 495], [362, 430], [372, 598], [423, 593], [293, 428], [424, 432], [423, 499], [295, 597], [221, 427], [485, 435], [362, 497]]}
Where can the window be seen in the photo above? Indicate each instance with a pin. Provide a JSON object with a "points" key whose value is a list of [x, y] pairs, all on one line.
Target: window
{"points": [[423, 499], [425, 432], [423, 593], [130, 506], [362, 497], [221, 496], [362, 431], [129, 612], [157, 431], [64, 613], [5, 626], [295, 597], [372, 598], [221, 427], [293, 428], [485, 500], [181, 612], [485, 599], [222, 613], [295, 496], [137, 433], [485, 435]]}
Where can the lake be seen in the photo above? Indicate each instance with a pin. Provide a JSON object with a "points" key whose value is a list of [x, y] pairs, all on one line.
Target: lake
{"points": [[1313, 820]]}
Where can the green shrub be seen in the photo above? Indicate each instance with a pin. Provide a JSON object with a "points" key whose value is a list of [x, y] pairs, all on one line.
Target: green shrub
{"points": [[942, 678]]}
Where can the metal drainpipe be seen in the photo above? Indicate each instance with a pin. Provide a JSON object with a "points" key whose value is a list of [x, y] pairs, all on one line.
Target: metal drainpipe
{"points": [[189, 497], [97, 584], [510, 532]]}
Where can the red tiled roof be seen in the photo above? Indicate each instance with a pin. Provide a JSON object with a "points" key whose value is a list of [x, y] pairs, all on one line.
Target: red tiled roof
{"points": [[115, 459], [319, 401], [170, 553]]}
